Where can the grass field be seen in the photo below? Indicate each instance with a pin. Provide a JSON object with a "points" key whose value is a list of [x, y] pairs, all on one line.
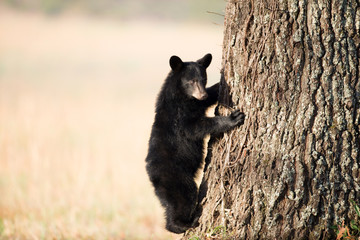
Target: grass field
{"points": [[76, 106]]}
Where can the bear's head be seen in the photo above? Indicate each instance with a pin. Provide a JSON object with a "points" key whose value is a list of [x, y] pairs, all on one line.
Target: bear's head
{"points": [[192, 76]]}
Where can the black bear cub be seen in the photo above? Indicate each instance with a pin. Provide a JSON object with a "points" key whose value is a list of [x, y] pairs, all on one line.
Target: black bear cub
{"points": [[177, 139]]}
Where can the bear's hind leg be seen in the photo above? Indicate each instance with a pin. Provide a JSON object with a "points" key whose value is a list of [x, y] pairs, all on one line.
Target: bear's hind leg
{"points": [[180, 219], [181, 202]]}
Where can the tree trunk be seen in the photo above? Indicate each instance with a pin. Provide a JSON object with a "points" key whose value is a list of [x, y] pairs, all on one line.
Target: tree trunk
{"points": [[291, 170]]}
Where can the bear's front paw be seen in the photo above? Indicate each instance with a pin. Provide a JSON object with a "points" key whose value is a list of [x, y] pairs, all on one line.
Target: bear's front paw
{"points": [[238, 117]]}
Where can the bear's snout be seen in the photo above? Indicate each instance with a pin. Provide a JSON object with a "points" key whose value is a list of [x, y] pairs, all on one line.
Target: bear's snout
{"points": [[199, 92]]}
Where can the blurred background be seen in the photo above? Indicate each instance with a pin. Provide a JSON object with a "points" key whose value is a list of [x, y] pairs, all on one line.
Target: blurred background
{"points": [[78, 83]]}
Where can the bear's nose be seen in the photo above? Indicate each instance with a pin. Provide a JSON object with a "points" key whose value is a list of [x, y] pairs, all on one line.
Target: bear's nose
{"points": [[203, 96]]}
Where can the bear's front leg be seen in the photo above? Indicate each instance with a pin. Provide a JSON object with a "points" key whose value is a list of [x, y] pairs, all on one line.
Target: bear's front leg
{"points": [[218, 124]]}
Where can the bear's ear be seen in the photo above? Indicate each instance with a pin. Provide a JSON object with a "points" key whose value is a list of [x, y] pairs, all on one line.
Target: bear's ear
{"points": [[176, 63], [205, 61]]}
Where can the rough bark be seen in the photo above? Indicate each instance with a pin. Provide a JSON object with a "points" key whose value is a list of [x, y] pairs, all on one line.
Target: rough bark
{"points": [[291, 170]]}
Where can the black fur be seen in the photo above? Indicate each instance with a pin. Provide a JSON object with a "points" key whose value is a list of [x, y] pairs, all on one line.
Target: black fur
{"points": [[177, 140]]}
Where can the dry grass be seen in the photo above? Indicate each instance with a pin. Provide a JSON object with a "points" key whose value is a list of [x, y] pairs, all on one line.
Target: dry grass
{"points": [[76, 107]]}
